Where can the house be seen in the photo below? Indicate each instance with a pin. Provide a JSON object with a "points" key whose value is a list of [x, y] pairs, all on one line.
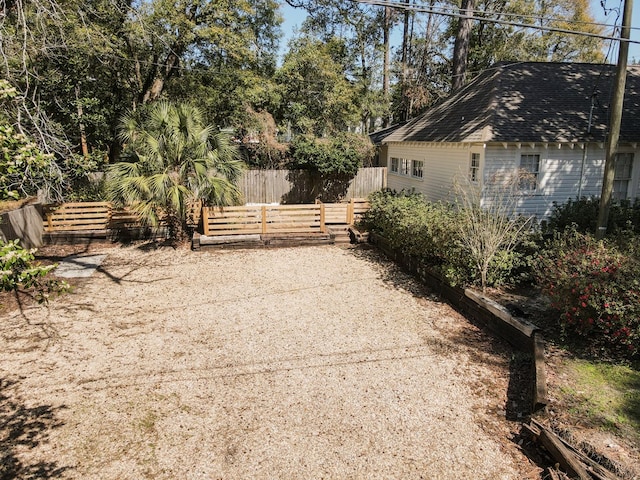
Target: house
{"points": [[376, 139], [548, 119]]}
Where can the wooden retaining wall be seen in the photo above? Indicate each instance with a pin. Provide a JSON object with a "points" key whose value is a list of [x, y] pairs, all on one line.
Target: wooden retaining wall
{"points": [[521, 334]]}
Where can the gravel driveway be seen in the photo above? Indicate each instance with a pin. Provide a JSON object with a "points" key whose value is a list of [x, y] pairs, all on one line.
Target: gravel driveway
{"points": [[310, 362]]}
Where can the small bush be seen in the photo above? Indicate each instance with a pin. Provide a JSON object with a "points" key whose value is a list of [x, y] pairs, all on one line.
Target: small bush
{"points": [[19, 271], [594, 286], [581, 215], [430, 232]]}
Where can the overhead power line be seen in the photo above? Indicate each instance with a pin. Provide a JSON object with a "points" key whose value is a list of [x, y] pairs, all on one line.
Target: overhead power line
{"points": [[420, 9]]}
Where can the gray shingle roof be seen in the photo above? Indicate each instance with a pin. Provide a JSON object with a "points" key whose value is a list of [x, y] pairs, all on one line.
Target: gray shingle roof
{"points": [[529, 102]]}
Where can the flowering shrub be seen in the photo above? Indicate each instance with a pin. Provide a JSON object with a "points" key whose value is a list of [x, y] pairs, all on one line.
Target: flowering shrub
{"points": [[23, 166], [595, 288], [18, 271]]}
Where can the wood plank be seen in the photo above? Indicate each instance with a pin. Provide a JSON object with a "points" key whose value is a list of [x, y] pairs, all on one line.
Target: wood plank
{"points": [[220, 221], [71, 228], [79, 221], [562, 455], [82, 204], [235, 228], [540, 392], [294, 230], [256, 231]]}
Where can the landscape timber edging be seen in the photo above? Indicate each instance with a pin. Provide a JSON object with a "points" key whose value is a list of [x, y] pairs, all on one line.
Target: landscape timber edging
{"points": [[268, 240], [521, 334]]}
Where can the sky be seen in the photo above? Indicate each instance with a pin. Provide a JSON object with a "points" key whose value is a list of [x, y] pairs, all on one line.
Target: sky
{"points": [[293, 19]]}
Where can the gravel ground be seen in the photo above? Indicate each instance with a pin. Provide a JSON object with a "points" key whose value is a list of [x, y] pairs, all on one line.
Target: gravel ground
{"points": [[314, 362]]}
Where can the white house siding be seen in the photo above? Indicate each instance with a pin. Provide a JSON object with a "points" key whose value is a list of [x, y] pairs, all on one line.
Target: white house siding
{"points": [[561, 171], [561, 168], [442, 164]]}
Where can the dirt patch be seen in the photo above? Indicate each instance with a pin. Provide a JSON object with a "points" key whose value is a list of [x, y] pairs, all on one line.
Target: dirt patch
{"points": [[289, 363], [618, 451]]}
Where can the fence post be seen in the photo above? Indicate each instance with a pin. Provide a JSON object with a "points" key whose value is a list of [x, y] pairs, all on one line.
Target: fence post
{"points": [[264, 220], [205, 220], [350, 212], [322, 218]]}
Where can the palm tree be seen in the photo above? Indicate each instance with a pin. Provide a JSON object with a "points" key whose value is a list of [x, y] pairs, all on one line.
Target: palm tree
{"points": [[171, 159]]}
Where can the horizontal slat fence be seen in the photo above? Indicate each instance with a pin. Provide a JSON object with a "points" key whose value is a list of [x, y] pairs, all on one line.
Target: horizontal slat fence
{"points": [[336, 213], [294, 219], [274, 219], [305, 218], [358, 207], [77, 216], [232, 220], [263, 220]]}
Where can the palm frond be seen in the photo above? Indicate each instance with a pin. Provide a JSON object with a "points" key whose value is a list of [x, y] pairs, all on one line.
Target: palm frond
{"points": [[177, 157]]}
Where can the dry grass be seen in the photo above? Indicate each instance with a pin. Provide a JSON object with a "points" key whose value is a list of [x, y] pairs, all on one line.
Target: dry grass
{"points": [[313, 362]]}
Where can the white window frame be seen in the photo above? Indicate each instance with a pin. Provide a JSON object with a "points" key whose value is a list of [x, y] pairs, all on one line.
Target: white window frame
{"points": [[394, 165], [530, 168], [622, 176], [405, 167], [474, 167], [417, 169]]}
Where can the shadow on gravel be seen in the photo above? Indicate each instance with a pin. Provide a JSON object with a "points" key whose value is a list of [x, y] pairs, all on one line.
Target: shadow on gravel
{"points": [[391, 274], [23, 428], [519, 392]]}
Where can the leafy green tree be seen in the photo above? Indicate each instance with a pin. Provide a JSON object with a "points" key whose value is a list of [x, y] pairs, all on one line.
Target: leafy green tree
{"points": [[342, 154], [172, 159], [79, 65], [23, 167], [171, 35], [492, 42], [363, 45], [317, 98]]}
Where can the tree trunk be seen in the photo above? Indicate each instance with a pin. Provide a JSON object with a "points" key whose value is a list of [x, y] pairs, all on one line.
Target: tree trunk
{"points": [[461, 46], [386, 83], [404, 112], [157, 77]]}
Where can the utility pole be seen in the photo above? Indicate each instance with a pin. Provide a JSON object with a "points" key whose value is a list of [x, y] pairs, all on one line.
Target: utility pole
{"points": [[615, 120]]}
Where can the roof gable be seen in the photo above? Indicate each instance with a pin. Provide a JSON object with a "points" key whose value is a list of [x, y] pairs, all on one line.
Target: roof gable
{"points": [[530, 102]]}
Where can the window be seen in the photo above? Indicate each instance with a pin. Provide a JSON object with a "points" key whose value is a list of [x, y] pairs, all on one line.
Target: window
{"points": [[395, 163], [622, 177], [404, 167], [474, 167], [417, 168], [530, 170]]}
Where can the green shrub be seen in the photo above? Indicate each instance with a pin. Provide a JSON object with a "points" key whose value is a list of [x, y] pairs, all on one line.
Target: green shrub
{"points": [[595, 288], [19, 271], [582, 215], [430, 232], [343, 154]]}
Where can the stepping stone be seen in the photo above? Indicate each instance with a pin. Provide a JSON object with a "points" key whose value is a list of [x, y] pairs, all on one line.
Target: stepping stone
{"points": [[79, 266]]}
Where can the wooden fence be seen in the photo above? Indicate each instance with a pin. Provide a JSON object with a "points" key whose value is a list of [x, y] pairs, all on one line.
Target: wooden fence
{"points": [[77, 216], [299, 186], [306, 218], [275, 219]]}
